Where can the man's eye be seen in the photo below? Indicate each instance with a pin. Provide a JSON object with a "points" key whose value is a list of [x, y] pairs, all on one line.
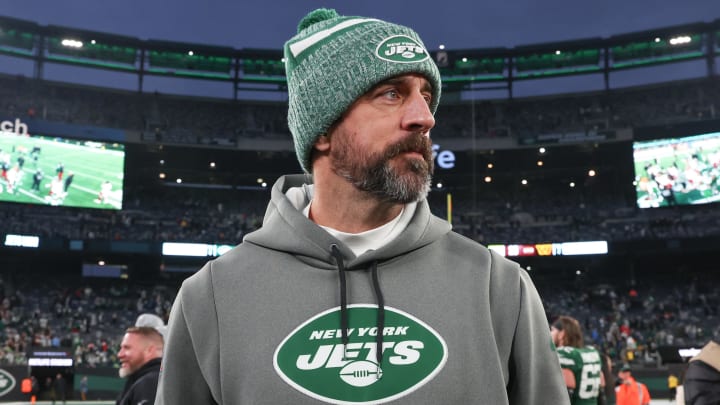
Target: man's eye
{"points": [[391, 94]]}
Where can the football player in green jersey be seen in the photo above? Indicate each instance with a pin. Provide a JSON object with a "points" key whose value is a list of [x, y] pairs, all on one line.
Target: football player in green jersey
{"points": [[581, 365]]}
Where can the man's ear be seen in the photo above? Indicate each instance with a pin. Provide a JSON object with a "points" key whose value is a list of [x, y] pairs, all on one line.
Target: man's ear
{"points": [[322, 143]]}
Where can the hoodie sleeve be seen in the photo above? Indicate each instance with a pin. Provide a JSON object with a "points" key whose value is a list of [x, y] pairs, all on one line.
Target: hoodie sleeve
{"points": [[537, 377], [191, 339]]}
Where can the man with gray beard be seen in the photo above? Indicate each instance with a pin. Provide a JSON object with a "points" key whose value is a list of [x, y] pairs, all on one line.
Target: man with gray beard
{"points": [[352, 291]]}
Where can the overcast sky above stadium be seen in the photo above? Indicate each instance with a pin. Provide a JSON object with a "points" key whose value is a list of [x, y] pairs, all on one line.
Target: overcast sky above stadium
{"points": [[459, 24]]}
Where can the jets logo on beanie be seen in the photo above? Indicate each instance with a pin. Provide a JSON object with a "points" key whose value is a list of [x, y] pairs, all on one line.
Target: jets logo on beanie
{"points": [[335, 59]]}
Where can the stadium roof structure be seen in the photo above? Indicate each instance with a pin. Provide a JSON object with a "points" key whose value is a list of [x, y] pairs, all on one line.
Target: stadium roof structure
{"points": [[17, 37], [664, 45], [190, 60], [263, 69], [559, 58], [74, 46]]}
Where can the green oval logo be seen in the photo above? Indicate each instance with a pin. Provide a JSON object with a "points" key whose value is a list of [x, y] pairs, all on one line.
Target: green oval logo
{"points": [[313, 360], [401, 49], [7, 382]]}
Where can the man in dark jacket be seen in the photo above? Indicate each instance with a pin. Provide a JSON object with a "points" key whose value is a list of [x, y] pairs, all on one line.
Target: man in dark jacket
{"points": [[702, 379], [140, 354]]}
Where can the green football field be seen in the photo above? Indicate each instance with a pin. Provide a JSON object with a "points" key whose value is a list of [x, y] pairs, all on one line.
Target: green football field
{"points": [[665, 157], [90, 163], [690, 197]]}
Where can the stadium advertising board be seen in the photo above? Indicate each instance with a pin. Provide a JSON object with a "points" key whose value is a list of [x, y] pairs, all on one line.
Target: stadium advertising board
{"points": [[104, 270], [50, 358], [194, 249], [677, 171], [46, 170], [28, 241], [552, 249]]}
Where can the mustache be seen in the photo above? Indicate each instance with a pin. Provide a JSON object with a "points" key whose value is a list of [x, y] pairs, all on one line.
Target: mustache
{"points": [[417, 143]]}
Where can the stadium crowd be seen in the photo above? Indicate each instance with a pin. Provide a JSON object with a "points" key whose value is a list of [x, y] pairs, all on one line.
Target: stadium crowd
{"points": [[201, 215], [629, 323], [183, 120], [67, 313], [88, 316]]}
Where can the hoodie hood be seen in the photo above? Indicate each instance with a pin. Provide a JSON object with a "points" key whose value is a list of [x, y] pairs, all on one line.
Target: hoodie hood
{"points": [[286, 229]]}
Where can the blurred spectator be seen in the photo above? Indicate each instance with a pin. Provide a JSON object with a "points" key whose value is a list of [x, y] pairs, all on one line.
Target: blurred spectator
{"points": [[702, 378]]}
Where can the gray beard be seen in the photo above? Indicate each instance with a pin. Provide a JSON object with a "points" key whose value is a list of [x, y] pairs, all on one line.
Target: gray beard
{"points": [[374, 174], [387, 185]]}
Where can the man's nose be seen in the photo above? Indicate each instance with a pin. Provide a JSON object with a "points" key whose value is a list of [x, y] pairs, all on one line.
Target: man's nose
{"points": [[417, 116]]}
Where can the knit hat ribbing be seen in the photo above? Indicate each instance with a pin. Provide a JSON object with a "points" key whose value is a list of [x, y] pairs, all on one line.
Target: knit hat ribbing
{"points": [[334, 59]]}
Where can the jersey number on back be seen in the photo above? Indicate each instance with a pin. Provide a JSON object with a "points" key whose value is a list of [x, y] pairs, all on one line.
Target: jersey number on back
{"points": [[589, 381]]}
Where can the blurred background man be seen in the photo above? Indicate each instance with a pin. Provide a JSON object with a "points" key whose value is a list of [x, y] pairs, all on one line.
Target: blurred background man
{"points": [[581, 365], [630, 391], [140, 354]]}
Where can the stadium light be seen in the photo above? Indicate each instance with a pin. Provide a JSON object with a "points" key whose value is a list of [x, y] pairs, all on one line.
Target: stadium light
{"points": [[488, 179], [540, 163], [592, 173], [680, 40], [72, 43], [524, 182]]}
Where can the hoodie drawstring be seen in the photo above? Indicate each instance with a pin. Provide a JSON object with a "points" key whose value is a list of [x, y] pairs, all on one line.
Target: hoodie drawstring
{"points": [[380, 315], [344, 323], [343, 295]]}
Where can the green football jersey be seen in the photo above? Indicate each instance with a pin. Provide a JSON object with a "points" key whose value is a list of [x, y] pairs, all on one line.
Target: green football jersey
{"points": [[585, 364]]}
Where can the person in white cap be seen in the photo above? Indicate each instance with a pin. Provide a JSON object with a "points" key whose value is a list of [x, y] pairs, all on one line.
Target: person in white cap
{"points": [[140, 356], [151, 321]]}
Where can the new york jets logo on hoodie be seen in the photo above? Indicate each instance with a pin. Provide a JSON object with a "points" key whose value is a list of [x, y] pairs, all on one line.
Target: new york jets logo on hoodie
{"points": [[314, 360]]}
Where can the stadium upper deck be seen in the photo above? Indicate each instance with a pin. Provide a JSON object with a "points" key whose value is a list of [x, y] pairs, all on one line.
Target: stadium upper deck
{"points": [[250, 73]]}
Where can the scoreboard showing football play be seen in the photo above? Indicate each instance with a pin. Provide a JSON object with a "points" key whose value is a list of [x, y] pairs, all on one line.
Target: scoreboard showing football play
{"points": [[677, 171], [47, 170]]}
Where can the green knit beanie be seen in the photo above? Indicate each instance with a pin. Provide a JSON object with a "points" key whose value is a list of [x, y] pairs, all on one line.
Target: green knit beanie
{"points": [[335, 59]]}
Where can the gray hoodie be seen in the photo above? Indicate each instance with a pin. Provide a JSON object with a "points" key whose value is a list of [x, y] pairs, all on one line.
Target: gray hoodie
{"points": [[291, 316]]}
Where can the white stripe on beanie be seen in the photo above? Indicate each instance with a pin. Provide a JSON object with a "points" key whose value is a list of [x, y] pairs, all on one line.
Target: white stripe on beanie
{"points": [[298, 47]]}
